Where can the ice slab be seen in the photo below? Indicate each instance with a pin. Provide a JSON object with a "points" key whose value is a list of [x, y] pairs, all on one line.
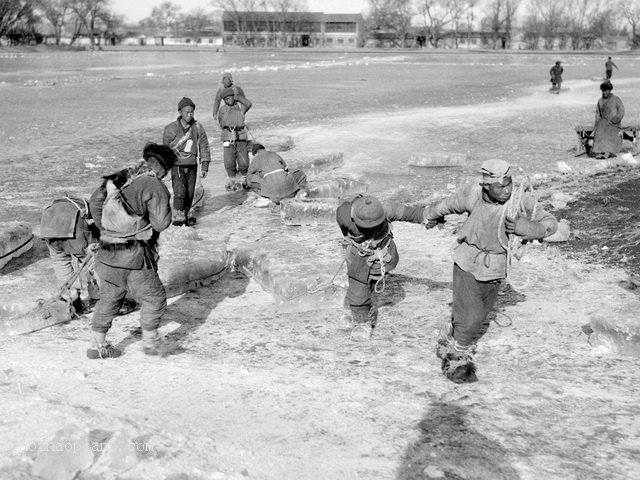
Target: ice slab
{"points": [[308, 212], [439, 160], [314, 164], [275, 143], [15, 239], [618, 331], [335, 188], [189, 260], [298, 276]]}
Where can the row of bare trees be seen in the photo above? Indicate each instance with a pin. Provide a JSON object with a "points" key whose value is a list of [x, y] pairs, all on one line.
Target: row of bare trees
{"points": [[92, 18], [544, 23]]}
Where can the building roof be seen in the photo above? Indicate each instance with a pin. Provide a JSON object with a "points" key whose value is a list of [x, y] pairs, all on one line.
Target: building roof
{"points": [[307, 16]]}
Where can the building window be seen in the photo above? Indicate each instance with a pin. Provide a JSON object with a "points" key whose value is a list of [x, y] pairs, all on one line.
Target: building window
{"points": [[340, 27], [341, 41], [329, 41], [352, 41]]}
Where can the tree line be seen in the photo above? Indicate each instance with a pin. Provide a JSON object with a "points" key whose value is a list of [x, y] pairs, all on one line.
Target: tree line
{"points": [[546, 24]]}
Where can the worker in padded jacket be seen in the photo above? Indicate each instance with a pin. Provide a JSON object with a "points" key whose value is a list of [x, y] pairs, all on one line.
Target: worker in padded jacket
{"points": [[234, 136], [131, 208], [481, 257], [371, 253], [187, 138]]}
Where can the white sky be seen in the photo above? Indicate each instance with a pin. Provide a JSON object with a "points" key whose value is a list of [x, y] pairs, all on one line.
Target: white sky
{"points": [[136, 10]]}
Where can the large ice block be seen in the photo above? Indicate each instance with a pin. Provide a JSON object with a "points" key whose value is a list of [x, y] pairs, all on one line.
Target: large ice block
{"points": [[297, 276], [189, 260], [15, 239], [335, 188], [316, 163], [618, 331], [275, 143], [308, 212], [434, 159]]}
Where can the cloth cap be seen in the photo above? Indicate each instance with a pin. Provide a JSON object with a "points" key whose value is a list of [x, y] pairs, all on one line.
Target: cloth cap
{"points": [[494, 170], [185, 102], [162, 153], [227, 75], [606, 86], [227, 92], [367, 211]]}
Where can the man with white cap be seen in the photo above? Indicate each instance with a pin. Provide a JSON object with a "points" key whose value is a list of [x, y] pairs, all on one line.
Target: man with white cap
{"points": [[371, 254], [480, 259]]}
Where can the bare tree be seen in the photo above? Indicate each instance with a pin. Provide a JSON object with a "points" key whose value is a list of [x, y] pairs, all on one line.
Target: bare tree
{"points": [[391, 16], [89, 14], [55, 11], [435, 17], [631, 13], [14, 13], [499, 21], [196, 21], [166, 17]]}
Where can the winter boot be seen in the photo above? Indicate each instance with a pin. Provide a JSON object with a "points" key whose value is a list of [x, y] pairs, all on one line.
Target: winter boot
{"points": [[79, 306], [179, 218], [362, 329], [457, 361], [153, 344], [191, 221], [101, 349]]}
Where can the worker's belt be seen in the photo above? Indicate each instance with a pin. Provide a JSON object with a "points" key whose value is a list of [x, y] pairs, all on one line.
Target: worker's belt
{"points": [[273, 171], [234, 129]]}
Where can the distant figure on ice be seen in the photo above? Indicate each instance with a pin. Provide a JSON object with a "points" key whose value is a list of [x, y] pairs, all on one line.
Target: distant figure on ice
{"points": [[480, 259], [556, 77], [234, 136], [608, 68], [269, 176], [371, 254], [226, 82], [607, 133], [189, 141], [68, 229], [131, 208]]}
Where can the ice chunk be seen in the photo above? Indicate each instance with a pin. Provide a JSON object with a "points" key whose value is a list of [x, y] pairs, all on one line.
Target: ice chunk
{"points": [[299, 212], [15, 239], [64, 456], [317, 163], [618, 331], [439, 160], [336, 188]]}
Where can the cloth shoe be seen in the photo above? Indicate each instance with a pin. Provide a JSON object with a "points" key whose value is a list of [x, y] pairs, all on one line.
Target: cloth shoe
{"points": [[179, 218], [191, 221], [103, 351], [79, 306]]}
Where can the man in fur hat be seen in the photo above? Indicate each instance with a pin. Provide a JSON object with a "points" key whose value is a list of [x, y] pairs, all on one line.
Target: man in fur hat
{"points": [[234, 136], [607, 138], [189, 141], [226, 82], [480, 259], [371, 253], [131, 208], [556, 77]]}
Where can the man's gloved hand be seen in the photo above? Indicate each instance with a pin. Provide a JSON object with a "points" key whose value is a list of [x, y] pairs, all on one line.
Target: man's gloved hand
{"points": [[203, 173], [524, 227], [510, 224]]}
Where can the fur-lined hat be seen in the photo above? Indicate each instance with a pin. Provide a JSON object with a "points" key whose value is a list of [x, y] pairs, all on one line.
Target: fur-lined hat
{"points": [[162, 153]]}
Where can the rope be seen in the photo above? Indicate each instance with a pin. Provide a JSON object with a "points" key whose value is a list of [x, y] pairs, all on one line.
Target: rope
{"points": [[382, 273], [322, 286], [514, 246]]}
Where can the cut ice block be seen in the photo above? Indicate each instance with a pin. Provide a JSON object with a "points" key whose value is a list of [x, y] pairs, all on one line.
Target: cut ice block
{"points": [[275, 143], [335, 188], [188, 261], [317, 163], [299, 212], [15, 239], [618, 331], [439, 160], [297, 276]]}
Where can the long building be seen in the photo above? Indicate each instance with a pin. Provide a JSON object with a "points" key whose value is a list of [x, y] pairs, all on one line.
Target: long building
{"points": [[292, 29]]}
